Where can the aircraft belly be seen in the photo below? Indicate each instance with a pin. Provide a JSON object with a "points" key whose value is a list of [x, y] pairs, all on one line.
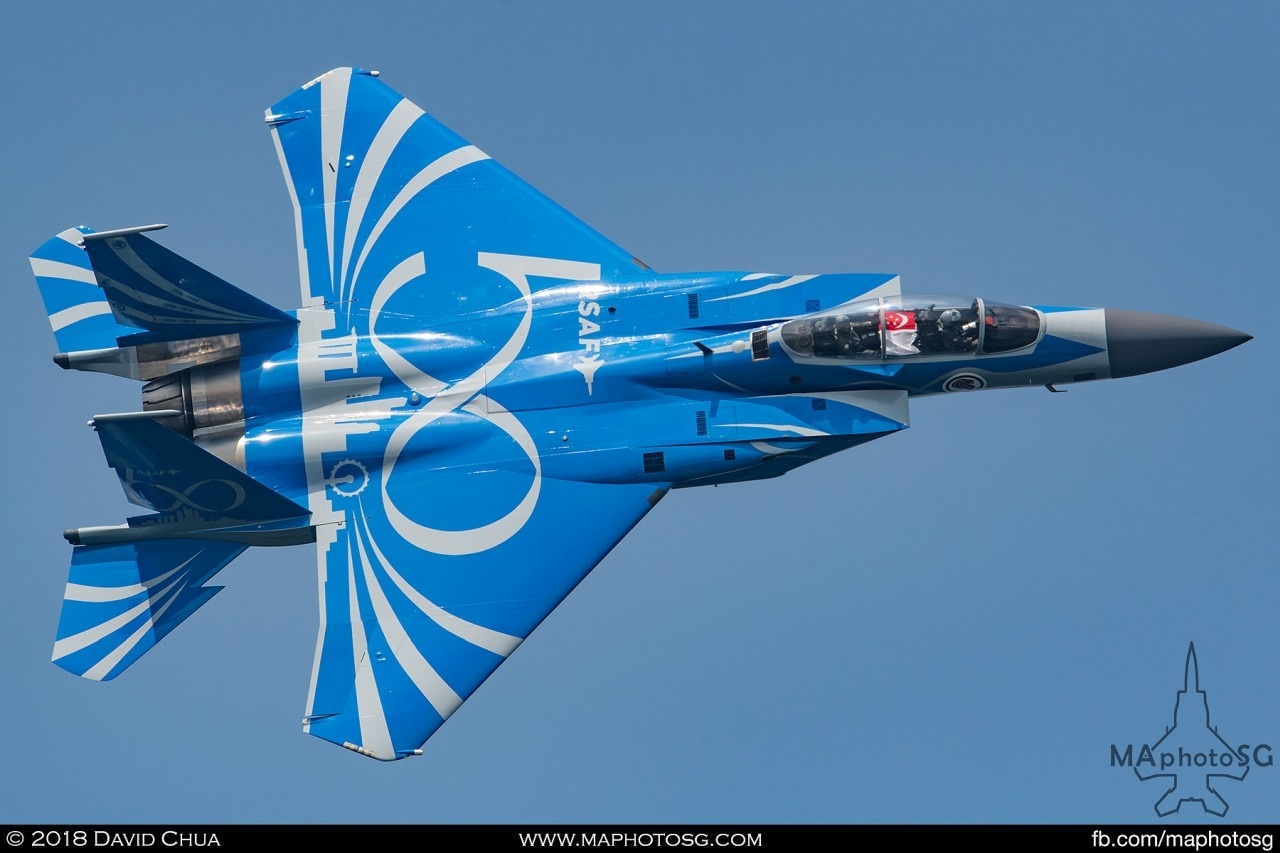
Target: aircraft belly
{"points": [[477, 399]]}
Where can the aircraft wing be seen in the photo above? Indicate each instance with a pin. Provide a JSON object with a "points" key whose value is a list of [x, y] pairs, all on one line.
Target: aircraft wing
{"points": [[419, 606], [375, 180]]}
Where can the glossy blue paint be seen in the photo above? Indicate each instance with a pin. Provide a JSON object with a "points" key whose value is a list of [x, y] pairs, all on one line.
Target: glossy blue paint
{"points": [[478, 397]]}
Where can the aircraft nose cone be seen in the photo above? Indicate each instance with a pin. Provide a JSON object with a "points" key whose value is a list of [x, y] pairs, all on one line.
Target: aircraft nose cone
{"points": [[1138, 342]]}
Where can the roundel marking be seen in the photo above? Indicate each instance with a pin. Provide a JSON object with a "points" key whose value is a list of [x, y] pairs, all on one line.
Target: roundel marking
{"points": [[964, 382]]}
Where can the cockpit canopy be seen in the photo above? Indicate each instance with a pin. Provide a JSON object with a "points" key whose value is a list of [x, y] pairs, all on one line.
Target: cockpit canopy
{"points": [[922, 325]]}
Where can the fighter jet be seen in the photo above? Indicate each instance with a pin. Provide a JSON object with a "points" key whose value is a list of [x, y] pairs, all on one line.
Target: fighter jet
{"points": [[477, 397]]}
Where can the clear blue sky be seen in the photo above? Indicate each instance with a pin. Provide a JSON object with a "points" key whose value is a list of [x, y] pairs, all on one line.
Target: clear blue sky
{"points": [[953, 624]]}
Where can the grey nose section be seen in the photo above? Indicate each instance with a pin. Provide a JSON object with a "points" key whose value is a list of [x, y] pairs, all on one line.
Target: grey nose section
{"points": [[1138, 342]]}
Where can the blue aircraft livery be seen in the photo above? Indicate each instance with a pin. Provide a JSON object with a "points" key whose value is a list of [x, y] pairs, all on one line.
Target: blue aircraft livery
{"points": [[476, 399]]}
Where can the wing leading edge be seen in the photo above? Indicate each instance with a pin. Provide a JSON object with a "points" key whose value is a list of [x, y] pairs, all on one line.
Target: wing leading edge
{"points": [[374, 179]]}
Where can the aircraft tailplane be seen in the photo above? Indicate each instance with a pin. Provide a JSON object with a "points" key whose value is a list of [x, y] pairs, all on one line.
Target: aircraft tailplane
{"points": [[131, 585], [123, 599]]}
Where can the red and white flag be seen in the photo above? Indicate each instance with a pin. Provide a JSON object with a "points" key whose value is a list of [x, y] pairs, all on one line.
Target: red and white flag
{"points": [[900, 332]]}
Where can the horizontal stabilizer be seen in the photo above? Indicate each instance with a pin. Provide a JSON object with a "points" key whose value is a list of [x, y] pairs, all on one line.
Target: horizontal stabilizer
{"points": [[163, 471], [78, 309], [122, 599], [151, 288]]}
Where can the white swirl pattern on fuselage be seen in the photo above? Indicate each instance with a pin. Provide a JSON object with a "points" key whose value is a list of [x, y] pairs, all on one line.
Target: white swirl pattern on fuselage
{"points": [[444, 398]]}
